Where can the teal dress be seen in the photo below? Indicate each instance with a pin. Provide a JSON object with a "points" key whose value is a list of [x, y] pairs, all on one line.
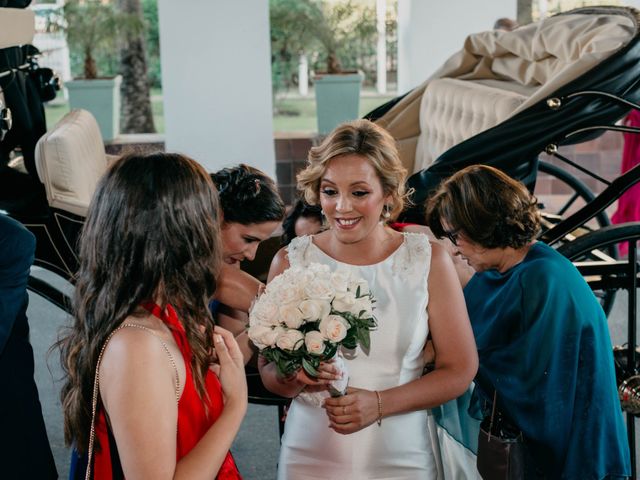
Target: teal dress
{"points": [[544, 345]]}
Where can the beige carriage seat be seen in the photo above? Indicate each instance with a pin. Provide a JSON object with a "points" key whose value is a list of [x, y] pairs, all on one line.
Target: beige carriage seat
{"points": [[70, 159], [454, 110], [498, 74], [17, 26]]}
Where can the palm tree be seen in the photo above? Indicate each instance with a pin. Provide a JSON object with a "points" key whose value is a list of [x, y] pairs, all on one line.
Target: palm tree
{"points": [[524, 11], [137, 116]]}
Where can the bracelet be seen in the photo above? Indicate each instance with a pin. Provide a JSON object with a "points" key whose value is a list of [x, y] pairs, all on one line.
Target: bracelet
{"points": [[379, 407]]}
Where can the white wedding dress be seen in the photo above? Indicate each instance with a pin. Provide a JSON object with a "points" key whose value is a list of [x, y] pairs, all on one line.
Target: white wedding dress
{"points": [[401, 448]]}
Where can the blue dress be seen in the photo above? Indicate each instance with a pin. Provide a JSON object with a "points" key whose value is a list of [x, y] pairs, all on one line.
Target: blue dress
{"points": [[544, 345]]}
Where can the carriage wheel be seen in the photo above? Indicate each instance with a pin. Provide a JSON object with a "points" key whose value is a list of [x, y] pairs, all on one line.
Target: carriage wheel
{"points": [[580, 195], [597, 256]]}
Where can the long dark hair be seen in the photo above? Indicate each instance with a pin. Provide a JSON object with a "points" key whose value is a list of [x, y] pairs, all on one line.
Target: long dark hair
{"points": [[152, 232], [248, 195]]}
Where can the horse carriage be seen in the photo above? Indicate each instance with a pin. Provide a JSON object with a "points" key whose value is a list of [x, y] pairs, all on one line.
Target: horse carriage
{"points": [[507, 98], [504, 100]]}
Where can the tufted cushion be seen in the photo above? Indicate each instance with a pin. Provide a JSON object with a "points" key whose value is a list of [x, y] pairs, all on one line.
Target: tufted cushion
{"points": [[70, 159], [453, 110], [514, 69]]}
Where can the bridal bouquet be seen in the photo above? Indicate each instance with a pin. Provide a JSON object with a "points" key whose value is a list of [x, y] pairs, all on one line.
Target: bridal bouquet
{"points": [[305, 314]]}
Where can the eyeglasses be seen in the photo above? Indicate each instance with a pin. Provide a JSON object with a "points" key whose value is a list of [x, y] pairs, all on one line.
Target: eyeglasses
{"points": [[452, 236]]}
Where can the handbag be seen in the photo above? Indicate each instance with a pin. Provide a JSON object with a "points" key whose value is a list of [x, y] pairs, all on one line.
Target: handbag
{"points": [[501, 449]]}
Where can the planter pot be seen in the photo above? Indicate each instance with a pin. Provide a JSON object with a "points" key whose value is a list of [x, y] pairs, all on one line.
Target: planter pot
{"points": [[102, 98], [337, 99]]}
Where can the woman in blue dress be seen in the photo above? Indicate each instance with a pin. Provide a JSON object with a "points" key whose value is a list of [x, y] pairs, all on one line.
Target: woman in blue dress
{"points": [[542, 337]]}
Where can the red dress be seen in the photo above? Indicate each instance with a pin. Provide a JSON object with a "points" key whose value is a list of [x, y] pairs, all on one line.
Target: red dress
{"points": [[193, 422], [629, 202]]}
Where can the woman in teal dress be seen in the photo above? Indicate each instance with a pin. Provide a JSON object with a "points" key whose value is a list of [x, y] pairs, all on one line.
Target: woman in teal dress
{"points": [[541, 334]]}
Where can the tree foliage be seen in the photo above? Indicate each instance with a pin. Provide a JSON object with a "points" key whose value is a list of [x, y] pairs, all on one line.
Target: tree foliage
{"points": [[152, 37], [93, 28], [137, 116], [335, 36]]}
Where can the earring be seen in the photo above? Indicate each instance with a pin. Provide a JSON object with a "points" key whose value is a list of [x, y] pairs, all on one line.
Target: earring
{"points": [[323, 220], [386, 213]]}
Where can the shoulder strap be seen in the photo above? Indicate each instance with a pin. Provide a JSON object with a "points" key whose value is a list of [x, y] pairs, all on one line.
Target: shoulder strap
{"points": [[94, 400]]}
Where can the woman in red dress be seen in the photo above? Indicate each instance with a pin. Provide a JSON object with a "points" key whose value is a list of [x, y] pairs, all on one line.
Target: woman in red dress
{"points": [[171, 390], [629, 202]]}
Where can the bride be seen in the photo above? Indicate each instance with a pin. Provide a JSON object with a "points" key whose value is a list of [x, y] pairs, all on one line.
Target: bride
{"points": [[379, 428]]}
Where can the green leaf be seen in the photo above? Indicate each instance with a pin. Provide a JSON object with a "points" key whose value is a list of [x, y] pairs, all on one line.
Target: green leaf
{"points": [[364, 337], [309, 368], [329, 351], [350, 342]]}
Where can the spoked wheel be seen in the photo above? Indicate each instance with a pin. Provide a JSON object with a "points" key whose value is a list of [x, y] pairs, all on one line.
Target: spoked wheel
{"points": [[578, 194], [597, 256]]}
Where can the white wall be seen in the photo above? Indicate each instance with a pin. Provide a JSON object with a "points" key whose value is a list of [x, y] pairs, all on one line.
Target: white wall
{"points": [[431, 31], [629, 3], [216, 76]]}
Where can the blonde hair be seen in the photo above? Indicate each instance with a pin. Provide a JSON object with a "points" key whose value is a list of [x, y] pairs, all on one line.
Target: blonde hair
{"points": [[364, 138]]}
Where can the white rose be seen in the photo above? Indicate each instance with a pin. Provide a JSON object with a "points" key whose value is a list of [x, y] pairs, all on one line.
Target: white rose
{"points": [[334, 328], [340, 280], [290, 340], [344, 302], [291, 316], [319, 289], [313, 310], [314, 341], [256, 333], [264, 312], [305, 277], [264, 336], [287, 294], [362, 283], [270, 338], [277, 283], [362, 304]]}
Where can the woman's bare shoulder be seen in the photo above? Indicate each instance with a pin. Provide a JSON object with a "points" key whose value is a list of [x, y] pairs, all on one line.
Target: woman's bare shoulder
{"points": [[439, 254], [139, 340]]}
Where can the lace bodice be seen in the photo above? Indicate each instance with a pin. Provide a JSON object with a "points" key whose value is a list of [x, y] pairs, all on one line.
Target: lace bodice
{"points": [[414, 253]]}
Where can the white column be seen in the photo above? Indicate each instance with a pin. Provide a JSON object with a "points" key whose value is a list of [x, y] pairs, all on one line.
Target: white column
{"points": [[303, 75], [542, 8], [430, 32], [216, 77], [381, 13]]}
